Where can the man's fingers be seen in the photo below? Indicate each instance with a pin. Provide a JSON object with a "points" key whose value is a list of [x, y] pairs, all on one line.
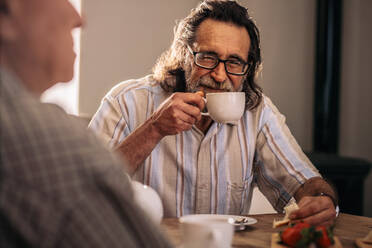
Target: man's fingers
{"points": [[195, 99], [174, 125], [311, 205], [305, 201], [189, 103], [325, 217], [191, 111], [179, 113], [315, 211], [188, 115], [305, 212]]}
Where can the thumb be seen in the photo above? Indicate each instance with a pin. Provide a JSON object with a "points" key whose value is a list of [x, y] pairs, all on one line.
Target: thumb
{"points": [[200, 93]]}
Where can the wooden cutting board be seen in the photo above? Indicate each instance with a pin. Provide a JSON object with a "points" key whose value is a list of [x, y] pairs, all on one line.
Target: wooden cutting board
{"points": [[275, 239], [361, 244]]}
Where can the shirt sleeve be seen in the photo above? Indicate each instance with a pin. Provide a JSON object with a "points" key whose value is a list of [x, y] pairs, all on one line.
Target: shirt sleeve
{"points": [[109, 122], [280, 165]]}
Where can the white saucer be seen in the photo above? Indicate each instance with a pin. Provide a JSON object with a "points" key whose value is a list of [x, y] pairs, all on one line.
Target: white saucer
{"points": [[238, 226]]}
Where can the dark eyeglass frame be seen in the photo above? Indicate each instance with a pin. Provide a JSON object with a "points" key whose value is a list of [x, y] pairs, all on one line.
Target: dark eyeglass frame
{"points": [[218, 62]]}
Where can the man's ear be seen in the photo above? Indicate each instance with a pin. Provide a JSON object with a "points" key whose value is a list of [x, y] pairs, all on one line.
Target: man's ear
{"points": [[9, 12]]}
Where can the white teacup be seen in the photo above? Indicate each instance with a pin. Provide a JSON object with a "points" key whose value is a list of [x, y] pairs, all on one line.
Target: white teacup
{"points": [[205, 233], [225, 107], [150, 202]]}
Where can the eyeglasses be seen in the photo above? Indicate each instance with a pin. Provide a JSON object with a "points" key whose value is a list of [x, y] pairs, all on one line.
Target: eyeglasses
{"points": [[210, 61]]}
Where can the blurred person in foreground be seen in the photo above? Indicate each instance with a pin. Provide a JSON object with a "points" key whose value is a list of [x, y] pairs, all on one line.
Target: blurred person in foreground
{"points": [[58, 188], [198, 165]]}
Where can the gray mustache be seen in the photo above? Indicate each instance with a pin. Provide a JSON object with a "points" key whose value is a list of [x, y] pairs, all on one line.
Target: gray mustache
{"points": [[211, 83]]}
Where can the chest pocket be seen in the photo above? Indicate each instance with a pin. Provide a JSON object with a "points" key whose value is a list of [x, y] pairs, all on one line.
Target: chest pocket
{"points": [[238, 200]]}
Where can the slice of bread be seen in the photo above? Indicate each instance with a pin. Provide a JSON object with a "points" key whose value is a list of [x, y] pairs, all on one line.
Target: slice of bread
{"points": [[288, 210]]}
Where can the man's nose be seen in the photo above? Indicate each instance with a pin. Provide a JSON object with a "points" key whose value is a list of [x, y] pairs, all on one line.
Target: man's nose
{"points": [[79, 21], [76, 19], [219, 73]]}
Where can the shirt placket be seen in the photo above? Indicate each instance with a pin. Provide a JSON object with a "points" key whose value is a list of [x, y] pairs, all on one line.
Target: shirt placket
{"points": [[203, 176]]}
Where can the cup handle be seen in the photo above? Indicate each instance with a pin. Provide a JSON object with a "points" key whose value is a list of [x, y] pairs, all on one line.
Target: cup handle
{"points": [[205, 113]]}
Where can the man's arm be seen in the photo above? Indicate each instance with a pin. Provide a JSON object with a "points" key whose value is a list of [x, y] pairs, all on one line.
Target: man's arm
{"points": [[176, 114], [317, 201]]}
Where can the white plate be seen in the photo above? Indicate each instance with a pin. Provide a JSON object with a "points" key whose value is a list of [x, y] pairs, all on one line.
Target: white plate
{"points": [[238, 226]]}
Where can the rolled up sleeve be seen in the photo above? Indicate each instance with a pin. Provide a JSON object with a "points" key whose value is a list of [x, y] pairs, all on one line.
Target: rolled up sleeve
{"points": [[280, 165]]}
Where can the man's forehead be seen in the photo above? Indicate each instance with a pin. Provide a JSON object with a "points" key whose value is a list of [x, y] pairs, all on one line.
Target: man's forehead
{"points": [[222, 37]]}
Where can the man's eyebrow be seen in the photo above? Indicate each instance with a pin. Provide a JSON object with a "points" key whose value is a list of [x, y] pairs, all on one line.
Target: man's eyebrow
{"points": [[209, 52], [238, 57]]}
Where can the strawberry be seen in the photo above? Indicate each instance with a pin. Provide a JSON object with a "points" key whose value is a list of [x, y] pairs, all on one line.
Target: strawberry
{"points": [[303, 234], [291, 236], [299, 235], [326, 237], [301, 225]]}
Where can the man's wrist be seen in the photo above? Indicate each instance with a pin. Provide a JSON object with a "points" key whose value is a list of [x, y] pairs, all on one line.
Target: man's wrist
{"points": [[317, 186], [334, 200], [153, 129]]}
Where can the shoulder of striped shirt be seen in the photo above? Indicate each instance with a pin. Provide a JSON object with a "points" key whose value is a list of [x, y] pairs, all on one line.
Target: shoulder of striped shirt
{"points": [[259, 112], [267, 103], [131, 84]]}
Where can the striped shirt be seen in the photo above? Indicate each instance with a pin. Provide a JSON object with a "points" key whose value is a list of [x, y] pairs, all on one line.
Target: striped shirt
{"points": [[208, 173]]}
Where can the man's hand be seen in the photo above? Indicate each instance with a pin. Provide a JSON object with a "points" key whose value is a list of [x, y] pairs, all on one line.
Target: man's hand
{"points": [[178, 113], [315, 210]]}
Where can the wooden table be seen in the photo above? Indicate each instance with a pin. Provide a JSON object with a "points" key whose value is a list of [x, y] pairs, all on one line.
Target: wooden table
{"points": [[348, 228]]}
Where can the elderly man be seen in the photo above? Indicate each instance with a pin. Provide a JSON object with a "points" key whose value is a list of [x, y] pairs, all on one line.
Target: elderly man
{"points": [[196, 164], [58, 188]]}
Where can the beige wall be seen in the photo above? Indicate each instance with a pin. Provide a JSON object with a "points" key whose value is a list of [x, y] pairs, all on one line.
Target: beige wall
{"points": [[123, 39], [287, 34]]}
